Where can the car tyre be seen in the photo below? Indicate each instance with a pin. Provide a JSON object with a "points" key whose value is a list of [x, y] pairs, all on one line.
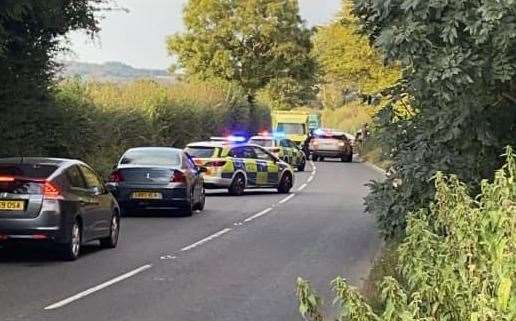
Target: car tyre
{"points": [[111, 241], [202, 202], [188, 210], [301, 166], [314, 158], [71, 250], [237, 187], [285, 184], [350, 158]]}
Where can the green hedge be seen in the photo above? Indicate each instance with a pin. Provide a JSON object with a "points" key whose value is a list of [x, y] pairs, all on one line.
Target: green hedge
{"points": [[97, 122]]}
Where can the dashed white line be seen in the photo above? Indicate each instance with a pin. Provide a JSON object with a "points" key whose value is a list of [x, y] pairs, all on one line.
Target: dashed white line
{"points": [[286, 199], [262, 213], [97, 288], [205, 240], [302, 187], [310, 179]]}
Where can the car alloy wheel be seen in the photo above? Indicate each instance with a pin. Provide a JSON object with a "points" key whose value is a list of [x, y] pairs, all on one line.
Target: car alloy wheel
{"points": [[111, 241]]}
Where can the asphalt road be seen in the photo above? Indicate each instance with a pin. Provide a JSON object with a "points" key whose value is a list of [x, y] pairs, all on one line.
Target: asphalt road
{"points": [[237, 260]]}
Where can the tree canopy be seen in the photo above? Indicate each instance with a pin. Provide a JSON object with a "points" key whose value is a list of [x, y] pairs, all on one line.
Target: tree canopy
{"points": [[459, 60], [348, 59], [256, 44]]}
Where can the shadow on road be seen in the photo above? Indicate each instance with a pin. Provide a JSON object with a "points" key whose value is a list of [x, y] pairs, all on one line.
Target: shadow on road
{"points": [[247, 193], [35, 255]]}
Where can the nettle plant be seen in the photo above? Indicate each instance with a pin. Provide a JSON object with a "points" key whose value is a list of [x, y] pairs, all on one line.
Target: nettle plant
{"points": [[457, 262]]}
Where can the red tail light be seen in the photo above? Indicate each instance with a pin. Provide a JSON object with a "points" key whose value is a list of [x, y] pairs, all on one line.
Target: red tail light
{"points": [[178, 177], [6, 179], [116, 177], [50, 191], [215, 164]]}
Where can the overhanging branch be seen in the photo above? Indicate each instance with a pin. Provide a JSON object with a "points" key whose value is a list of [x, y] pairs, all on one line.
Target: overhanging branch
{"points": [[511, 98]]}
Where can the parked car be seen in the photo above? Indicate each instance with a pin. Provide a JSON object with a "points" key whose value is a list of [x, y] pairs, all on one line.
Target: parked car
{"points": [[331, 144], [240, 166], [58, 200], [158, 179]]}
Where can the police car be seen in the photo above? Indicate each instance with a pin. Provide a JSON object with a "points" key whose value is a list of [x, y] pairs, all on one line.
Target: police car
{"points": [[282, 148], [238, 166]]}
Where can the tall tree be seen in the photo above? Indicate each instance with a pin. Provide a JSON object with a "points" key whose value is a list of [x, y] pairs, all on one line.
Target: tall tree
{"points": [[460, 79], [254, 43], [31, 34]]}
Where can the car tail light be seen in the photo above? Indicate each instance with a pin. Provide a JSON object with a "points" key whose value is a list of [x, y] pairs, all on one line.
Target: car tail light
{"points": [[178, 177], [39, 237], [219, 163], [116, 177], [6, 179], [51, 191]]}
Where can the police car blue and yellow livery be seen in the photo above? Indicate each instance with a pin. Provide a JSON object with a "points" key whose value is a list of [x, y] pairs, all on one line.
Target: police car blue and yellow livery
{"points": [[283, 148], [238, 166]]}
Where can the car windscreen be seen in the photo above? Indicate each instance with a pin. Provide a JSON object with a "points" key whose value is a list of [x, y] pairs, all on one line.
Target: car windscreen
{"points": [[202, 152], [291, 128], [24, 178], [151, 157], [262, 142]]}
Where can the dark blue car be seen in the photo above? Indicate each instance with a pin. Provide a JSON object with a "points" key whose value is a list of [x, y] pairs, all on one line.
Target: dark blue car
{"points": [[158, 179]]}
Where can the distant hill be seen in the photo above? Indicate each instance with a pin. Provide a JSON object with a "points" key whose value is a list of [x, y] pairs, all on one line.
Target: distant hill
{"points": [[111, 71]]}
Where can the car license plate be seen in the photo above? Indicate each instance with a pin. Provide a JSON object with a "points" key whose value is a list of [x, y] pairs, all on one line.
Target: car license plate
{"points": [[12, 205], [147, 196]]}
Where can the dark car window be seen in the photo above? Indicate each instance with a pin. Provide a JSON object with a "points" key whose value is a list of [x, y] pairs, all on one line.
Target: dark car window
{"points": [[152, 157], [24, 178], [75, 177], [262, 142], [203, 152], [34, 171], [284, 143], [243, 152], [262, 155], [92, 180], [292, 144]]}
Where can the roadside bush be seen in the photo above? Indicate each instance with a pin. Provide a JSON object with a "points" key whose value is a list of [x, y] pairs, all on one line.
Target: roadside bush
{"points": [[456, 263], [96, 122]]}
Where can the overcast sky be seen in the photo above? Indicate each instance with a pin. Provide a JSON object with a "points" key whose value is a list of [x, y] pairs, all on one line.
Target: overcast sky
{"points": [[138, 37]]}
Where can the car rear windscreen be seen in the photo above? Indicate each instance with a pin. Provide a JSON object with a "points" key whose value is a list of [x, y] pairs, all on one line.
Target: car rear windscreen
{"points": [[202, 152], [151, 157], [262, 142], [24, 178], [339, 137]]}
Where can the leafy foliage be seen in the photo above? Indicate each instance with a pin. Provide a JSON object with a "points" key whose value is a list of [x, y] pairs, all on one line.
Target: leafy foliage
{"points": [[348, 60], [457, 261], [256, 44], [459, 79]]}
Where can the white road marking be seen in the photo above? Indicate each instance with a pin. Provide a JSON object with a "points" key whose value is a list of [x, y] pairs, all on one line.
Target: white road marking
{"points": [[97, 288], [168, 257], [302, 187], [262, 213], [205, 240], [310, 179], [286, 199]]}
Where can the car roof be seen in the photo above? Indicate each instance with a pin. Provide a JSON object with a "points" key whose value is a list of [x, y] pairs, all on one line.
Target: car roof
{"points": [[150, 148], [39, 161], [264, 137], [216, 144]]}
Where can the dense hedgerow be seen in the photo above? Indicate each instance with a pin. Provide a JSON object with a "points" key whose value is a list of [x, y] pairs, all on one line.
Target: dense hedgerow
{"points": [[456, 263], [97, 122]]}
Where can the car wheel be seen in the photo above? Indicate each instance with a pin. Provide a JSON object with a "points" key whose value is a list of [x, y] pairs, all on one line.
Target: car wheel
{"points": [[321, 159], [71, 250], [202, 202], [285, 184], [188, 210], [111, 241], [314, 158], [350, 158], [237, 187], [301, 166]]}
